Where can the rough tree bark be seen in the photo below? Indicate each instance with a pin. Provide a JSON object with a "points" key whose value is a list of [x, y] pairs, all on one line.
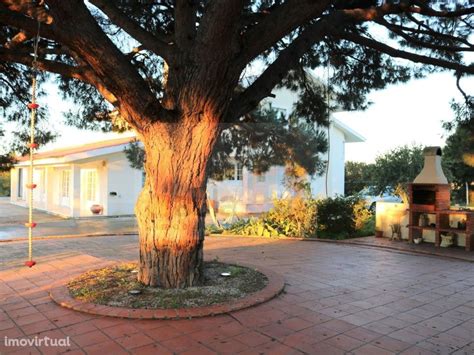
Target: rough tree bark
{"points": [[171, 208]]}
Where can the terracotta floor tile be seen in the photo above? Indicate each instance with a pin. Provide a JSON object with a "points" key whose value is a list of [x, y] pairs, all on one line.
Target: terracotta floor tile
{"points": [[91, 338], [106, 347], [390, 344], [120, 330], [369, 349], [296, 323], [79, 328], [38, 327], [344, 342], [252, 338], [134, 340], [228, 346], [179, 344], [151, 349], [163, 333]]}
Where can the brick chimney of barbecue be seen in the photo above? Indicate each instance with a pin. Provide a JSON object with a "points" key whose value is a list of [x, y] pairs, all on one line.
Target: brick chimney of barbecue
{"points": [[432, 172]]}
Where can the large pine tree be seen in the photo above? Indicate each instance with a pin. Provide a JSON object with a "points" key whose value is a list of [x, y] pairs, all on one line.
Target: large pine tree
{"points": [[174, 70]]}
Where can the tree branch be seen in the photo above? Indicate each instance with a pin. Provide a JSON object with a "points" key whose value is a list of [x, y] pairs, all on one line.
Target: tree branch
{"points": [[393, 52], [219, 25], [185, 22], [278, 23], [288, 59], [79, 31], [157, 45], [29, 8], [428, 31], [395, 29], [43, 64], [22, 22], [423, 9]]}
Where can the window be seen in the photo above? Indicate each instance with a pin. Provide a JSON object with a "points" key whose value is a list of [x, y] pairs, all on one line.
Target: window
{"points": [[229, 174], [239, 171], [280, 111], [234, 173], [91, 185], [65, 183], [20, 183]]}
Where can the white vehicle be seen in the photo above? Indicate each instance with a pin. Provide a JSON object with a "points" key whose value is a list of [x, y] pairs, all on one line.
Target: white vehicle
{"points": [[371, 199]]}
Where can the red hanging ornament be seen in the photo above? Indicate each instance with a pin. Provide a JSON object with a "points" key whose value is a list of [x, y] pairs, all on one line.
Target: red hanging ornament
{"points": [[30, 263], [33, 145], [31, 186], [30, 225], [33, 106]]}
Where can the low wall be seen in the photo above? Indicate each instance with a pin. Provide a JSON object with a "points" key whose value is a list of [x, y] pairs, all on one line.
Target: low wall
{"points": [[388, 213]]}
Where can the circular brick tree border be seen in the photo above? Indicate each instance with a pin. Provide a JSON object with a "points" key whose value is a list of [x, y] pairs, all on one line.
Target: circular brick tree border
{"points": [[59, 293]]}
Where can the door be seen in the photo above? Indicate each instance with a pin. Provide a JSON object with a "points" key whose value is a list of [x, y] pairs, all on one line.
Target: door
{"points": [[89, 190], [39, 178], [64, 187]]}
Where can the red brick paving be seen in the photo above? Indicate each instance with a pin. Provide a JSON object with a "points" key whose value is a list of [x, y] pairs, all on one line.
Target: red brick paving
{"points": [[338, 299]]}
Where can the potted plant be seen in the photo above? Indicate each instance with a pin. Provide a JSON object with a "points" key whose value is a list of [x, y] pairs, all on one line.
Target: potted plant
{"points": [[96, 209]]}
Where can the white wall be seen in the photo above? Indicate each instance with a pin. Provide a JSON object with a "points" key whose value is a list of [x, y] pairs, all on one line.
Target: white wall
{"points": [[126, 182], [335, 181]]}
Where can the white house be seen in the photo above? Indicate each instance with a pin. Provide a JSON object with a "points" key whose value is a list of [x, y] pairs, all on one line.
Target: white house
{"points": [[71, 180]]}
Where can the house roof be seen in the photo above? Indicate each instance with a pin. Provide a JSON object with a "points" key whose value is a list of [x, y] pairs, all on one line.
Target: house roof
{"points": [[95, 149], [350, 135], [74, 152]]}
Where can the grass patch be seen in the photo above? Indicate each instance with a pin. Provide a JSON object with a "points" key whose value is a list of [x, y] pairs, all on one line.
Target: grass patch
{"points": [[110, 286]]}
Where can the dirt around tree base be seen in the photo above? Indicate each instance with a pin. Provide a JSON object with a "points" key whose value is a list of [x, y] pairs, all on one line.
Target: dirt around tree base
{"points": [[111, 286]]}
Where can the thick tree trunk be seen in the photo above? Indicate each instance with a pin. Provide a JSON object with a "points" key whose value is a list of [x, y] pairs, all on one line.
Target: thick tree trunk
{"points": [[172, 206]]}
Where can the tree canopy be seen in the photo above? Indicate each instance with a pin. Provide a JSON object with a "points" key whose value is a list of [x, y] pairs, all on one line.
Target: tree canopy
{"points": [[458, 154], [147, 44]]}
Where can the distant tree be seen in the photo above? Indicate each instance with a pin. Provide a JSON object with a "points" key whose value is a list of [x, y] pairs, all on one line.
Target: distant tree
{"points": [[6, 157], [458, 154], [393, 170], [357, 176]]}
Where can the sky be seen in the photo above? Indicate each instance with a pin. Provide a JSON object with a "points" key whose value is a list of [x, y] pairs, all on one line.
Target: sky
{"points": [[409, 113]]}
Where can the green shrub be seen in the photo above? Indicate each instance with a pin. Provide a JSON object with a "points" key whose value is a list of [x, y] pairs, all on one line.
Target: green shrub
{"points": [[294, 217], [4, 183], [213, 229], [260, 227], [291, 217], [367, 229], [335, 216], [361, 214], [344, 217]]}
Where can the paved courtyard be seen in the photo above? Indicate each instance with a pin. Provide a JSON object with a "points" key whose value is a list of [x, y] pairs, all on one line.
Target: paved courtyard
{"points": [[339, 299]]}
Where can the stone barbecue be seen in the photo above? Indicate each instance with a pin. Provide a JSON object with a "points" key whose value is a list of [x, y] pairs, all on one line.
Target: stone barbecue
{"points": [[429, 207]]}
